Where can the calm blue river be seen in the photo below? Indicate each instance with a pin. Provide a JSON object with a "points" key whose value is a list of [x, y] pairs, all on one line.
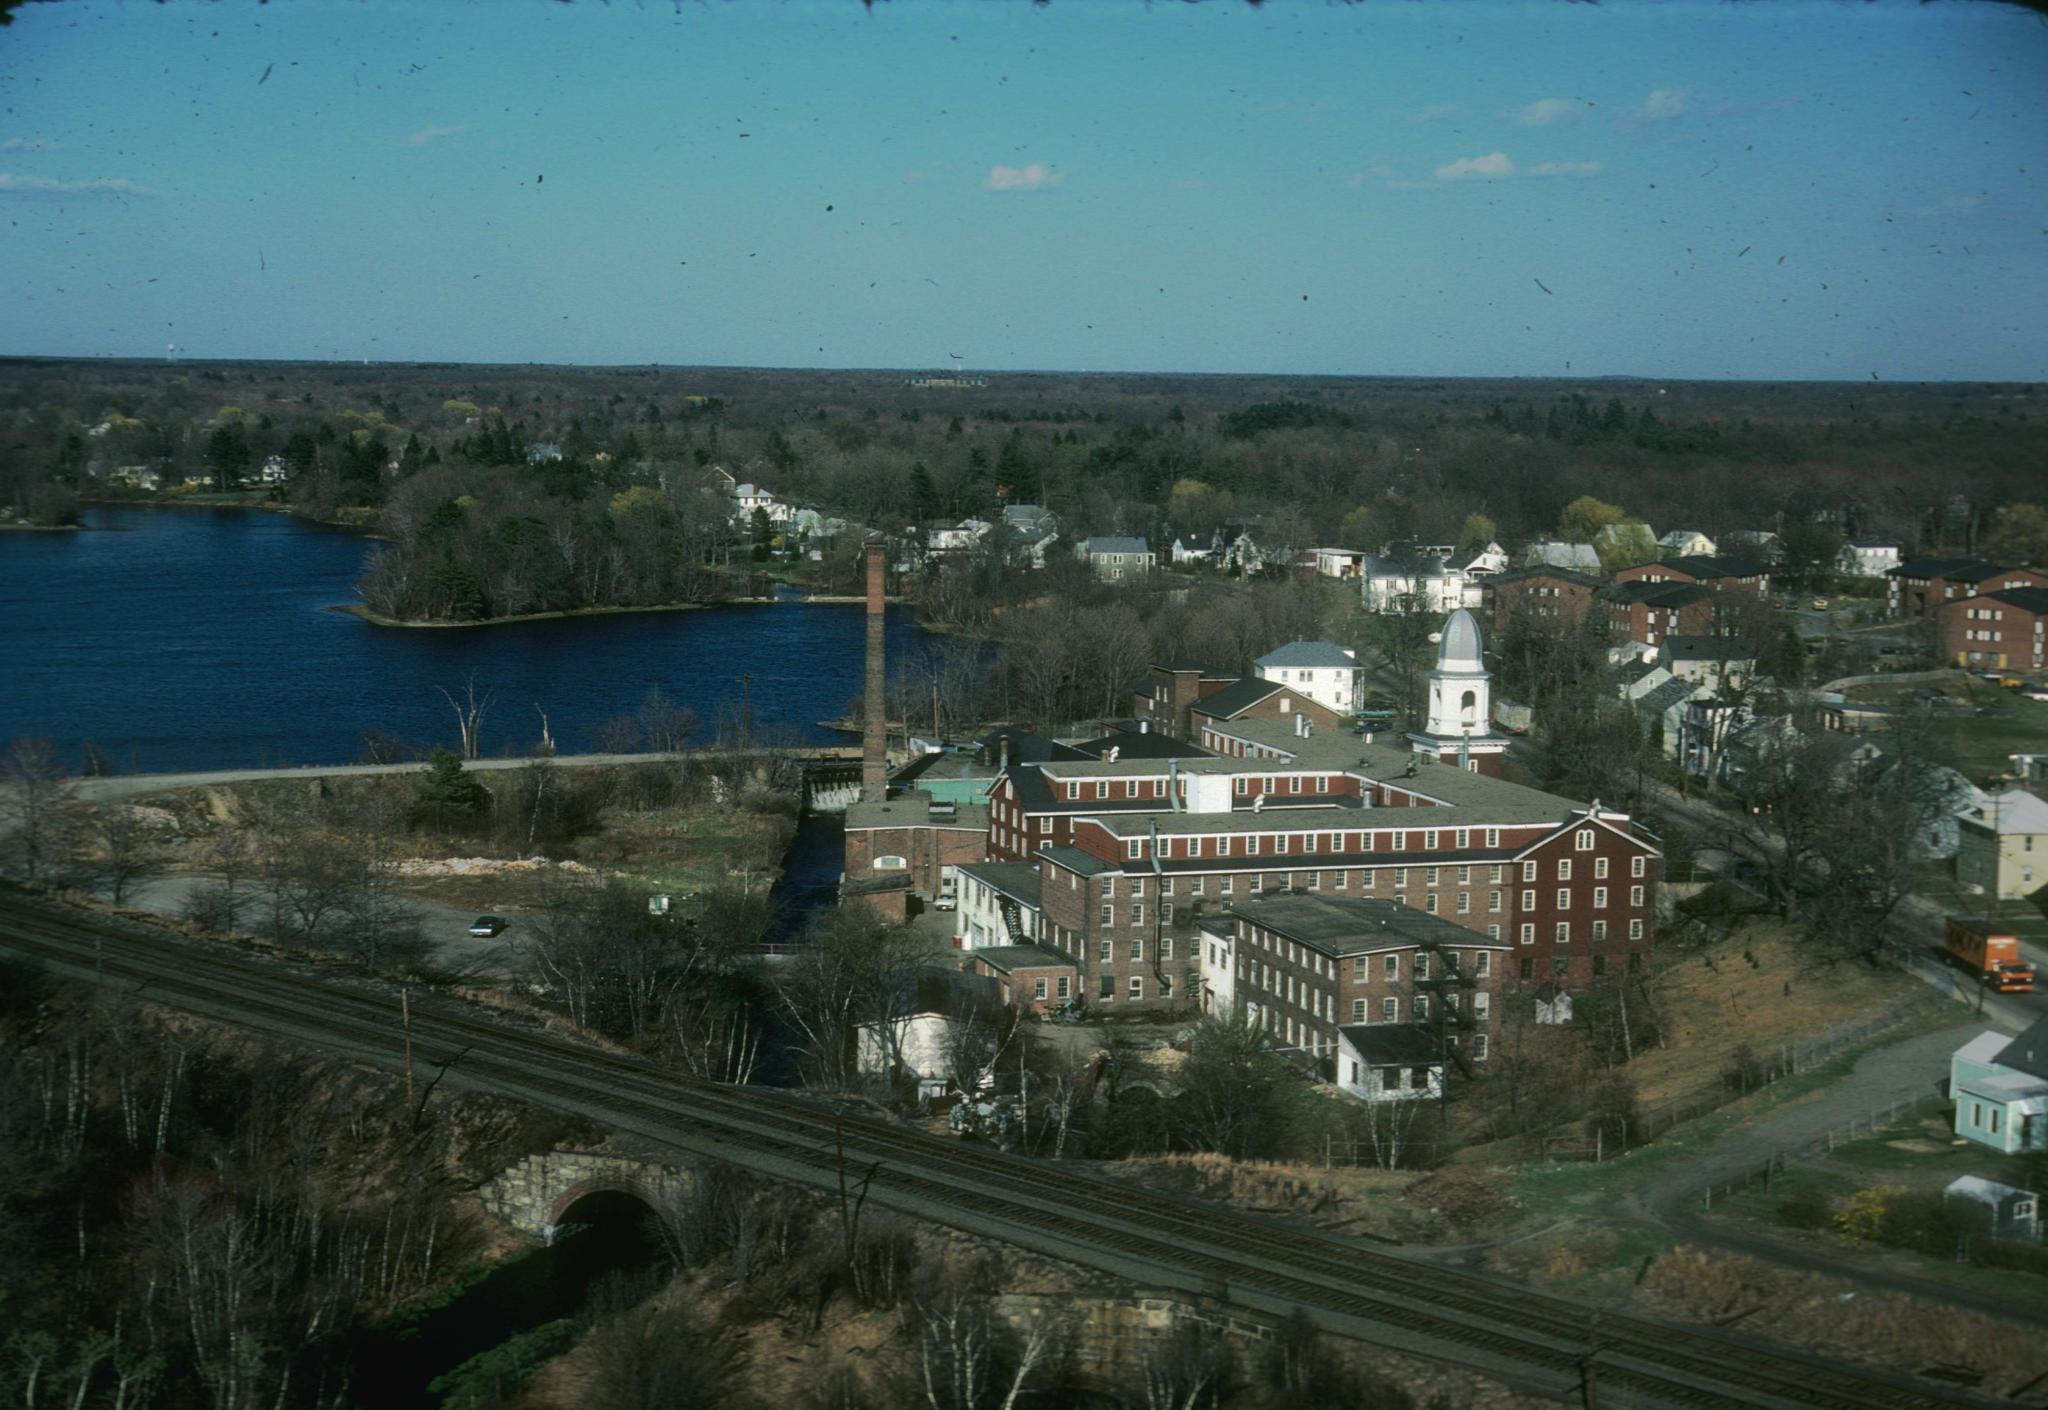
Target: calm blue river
{"points": [[201, 639]]}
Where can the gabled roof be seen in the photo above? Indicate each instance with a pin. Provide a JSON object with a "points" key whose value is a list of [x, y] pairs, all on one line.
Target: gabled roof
{"points": [[1561, 554], [1392, 1044], [1959, 570], [2015, 811], [2027, 599], [2028, 1053], [1672, 692], [1403, 566], [1116, 543], [1707, 648], [1665, 594], [1549, 572], [1716, 565], [1312, 655], [1236, 698]]}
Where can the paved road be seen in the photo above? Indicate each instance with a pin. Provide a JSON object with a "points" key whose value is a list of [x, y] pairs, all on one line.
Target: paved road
{"points": [[1898, 1072], [132, 785]]}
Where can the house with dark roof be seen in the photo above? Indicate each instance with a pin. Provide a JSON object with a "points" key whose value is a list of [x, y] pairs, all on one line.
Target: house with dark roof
{"points": [[1255, 699], [2000, 1088], [1715, 661], [1388, 1062]]}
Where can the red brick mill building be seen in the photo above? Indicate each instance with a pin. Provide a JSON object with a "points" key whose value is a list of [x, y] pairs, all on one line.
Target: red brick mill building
{"points": [[1113, 866]]}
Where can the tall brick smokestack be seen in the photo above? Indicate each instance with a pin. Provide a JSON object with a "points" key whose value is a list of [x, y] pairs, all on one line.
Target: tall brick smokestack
{"points": [[874, 743]]}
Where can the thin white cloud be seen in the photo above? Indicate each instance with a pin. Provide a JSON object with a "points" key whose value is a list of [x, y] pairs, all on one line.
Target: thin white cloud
{"points": [[1545, 111], [1662, 103], [1035, 177], [1565, 169], [27, 144], [1494, 166], [434, 133], [11, 184], [1434, 111]]}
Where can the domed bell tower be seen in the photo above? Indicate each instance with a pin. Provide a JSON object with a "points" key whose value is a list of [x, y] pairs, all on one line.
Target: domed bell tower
{"points": [[1459, 728]]}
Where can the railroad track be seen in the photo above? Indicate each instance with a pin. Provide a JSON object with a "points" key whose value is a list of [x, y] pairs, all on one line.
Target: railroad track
{"points": [[1525, 1338]]}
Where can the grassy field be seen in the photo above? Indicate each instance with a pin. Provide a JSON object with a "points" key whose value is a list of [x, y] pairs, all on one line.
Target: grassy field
{"points": [[1921, 1156], [1762, 988], [1982, 743], [689, 845]]}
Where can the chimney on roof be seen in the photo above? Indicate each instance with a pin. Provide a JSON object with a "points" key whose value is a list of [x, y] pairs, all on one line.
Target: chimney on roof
{"points": [[874, 745], [1144, 727], [1003, 752]]}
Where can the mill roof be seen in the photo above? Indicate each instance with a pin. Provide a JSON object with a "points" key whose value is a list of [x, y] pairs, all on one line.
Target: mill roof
{"points": [[1238, 696], [1354, 925]]}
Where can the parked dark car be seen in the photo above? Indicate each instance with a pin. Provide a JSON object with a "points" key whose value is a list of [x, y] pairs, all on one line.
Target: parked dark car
{"points": [[488, 926]]}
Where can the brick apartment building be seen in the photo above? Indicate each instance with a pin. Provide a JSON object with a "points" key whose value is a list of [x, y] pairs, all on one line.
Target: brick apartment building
{"points": [[1558, 597], [1303, 966], [1922, 587], [1722, 572], [1654, 612], [2003, 629]]}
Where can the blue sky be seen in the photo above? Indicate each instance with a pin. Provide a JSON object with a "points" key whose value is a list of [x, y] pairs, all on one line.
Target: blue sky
{"points": [[1792, 190]]}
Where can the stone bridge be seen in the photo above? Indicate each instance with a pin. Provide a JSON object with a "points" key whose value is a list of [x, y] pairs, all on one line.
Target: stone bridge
{"points": [[535, 1194]]}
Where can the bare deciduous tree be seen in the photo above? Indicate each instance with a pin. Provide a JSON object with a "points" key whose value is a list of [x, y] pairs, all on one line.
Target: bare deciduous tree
{"points": [[469, 715], [40, 808]]}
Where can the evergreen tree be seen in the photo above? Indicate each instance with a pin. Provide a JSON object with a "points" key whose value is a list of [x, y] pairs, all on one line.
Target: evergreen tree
{"points": [[448, 794], [924, 496]]}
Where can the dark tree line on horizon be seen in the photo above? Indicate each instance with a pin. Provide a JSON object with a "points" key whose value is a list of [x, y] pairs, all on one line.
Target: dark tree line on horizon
{"points": [[1309, 461]]}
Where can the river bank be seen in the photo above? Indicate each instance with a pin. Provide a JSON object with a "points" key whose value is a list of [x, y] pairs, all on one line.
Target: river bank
{"points": [[361, 521]]}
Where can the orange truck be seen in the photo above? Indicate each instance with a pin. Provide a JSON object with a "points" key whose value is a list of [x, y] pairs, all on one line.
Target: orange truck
{"points": [[1989, 953]]}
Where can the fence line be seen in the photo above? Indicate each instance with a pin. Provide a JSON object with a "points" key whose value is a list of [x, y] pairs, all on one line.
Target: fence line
{"points": [[1868, 1124], [1786, 1060]]}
